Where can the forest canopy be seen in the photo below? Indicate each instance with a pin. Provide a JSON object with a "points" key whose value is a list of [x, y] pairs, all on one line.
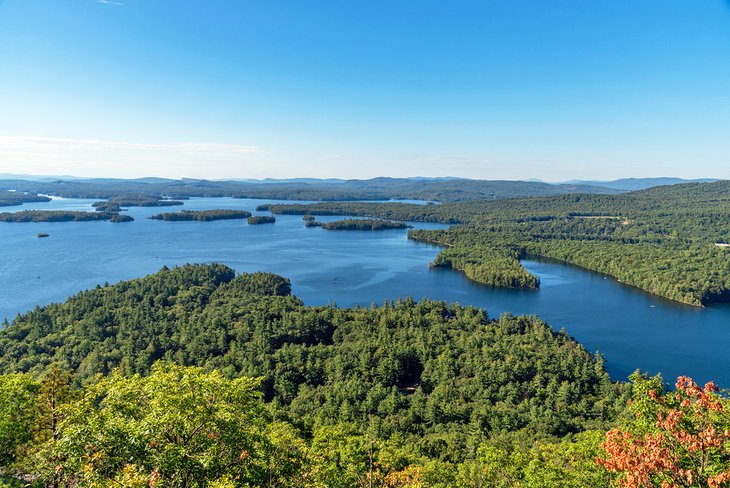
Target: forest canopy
{"points": [[427, 380], [202, 215], [195, 376]]}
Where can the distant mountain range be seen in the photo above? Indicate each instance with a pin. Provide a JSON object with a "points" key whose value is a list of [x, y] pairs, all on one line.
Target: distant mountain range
{"points": [[633, 184], [86, 179], [433, 189], [444, 189]]}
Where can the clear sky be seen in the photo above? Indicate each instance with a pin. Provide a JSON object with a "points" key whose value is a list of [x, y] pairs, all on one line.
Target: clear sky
{"points": [[506, 89]]}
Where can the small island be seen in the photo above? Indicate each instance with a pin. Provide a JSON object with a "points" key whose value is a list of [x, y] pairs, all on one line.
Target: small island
{"points": [[202, 215], [313, 223], [118, 218], [106, 206], [261, 219], [364, 224], [41, 235], [308, 217]]}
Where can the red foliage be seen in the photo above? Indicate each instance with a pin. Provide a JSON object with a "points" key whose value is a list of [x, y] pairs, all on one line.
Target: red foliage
{"points": [[688, 444]]}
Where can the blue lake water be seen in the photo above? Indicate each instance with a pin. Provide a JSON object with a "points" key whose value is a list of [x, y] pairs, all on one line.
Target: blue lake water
{"points": [[631, 328]]}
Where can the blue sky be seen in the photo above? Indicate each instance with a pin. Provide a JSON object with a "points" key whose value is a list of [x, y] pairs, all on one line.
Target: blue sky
{"points": [[504, 89]]}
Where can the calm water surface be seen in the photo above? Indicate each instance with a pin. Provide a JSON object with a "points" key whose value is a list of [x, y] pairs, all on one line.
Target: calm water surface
{"points": [[631, 328]]}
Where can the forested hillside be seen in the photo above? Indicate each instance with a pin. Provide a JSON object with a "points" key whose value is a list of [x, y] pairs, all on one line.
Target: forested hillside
{"points": [[662, 240], [423, 382], [430, 359], [196, 377], [10, 198]]}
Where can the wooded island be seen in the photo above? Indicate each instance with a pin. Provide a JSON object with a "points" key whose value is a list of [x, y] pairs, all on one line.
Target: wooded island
{"points": [[60, 216], [364, 224], [202, 215], [261, 219]]}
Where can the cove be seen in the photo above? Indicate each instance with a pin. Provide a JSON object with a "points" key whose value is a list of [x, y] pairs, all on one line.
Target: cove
{"points": [[348, 268]]}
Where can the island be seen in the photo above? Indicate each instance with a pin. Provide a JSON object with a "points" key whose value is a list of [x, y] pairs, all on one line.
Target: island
{"points": [[308, 217], [56, 216], [364, 224], [135, 200], [261, 219], [118, 218], [313, 223], [106, 206], [42, 234], [202, 215]]}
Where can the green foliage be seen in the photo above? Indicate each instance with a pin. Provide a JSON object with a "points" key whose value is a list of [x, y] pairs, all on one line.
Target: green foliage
{"points": [[494, 267], [17, 405], [415, 382], [406, 394], [53, 216], [202, 215], [128, 325], [364, 224], [261, 219], [259, 284], [179, 426], [569, 463], [661, 240], [182, 426]]}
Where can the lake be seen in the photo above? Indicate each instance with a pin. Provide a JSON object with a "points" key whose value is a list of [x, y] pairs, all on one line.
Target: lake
{"points": [[631, 328]]}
